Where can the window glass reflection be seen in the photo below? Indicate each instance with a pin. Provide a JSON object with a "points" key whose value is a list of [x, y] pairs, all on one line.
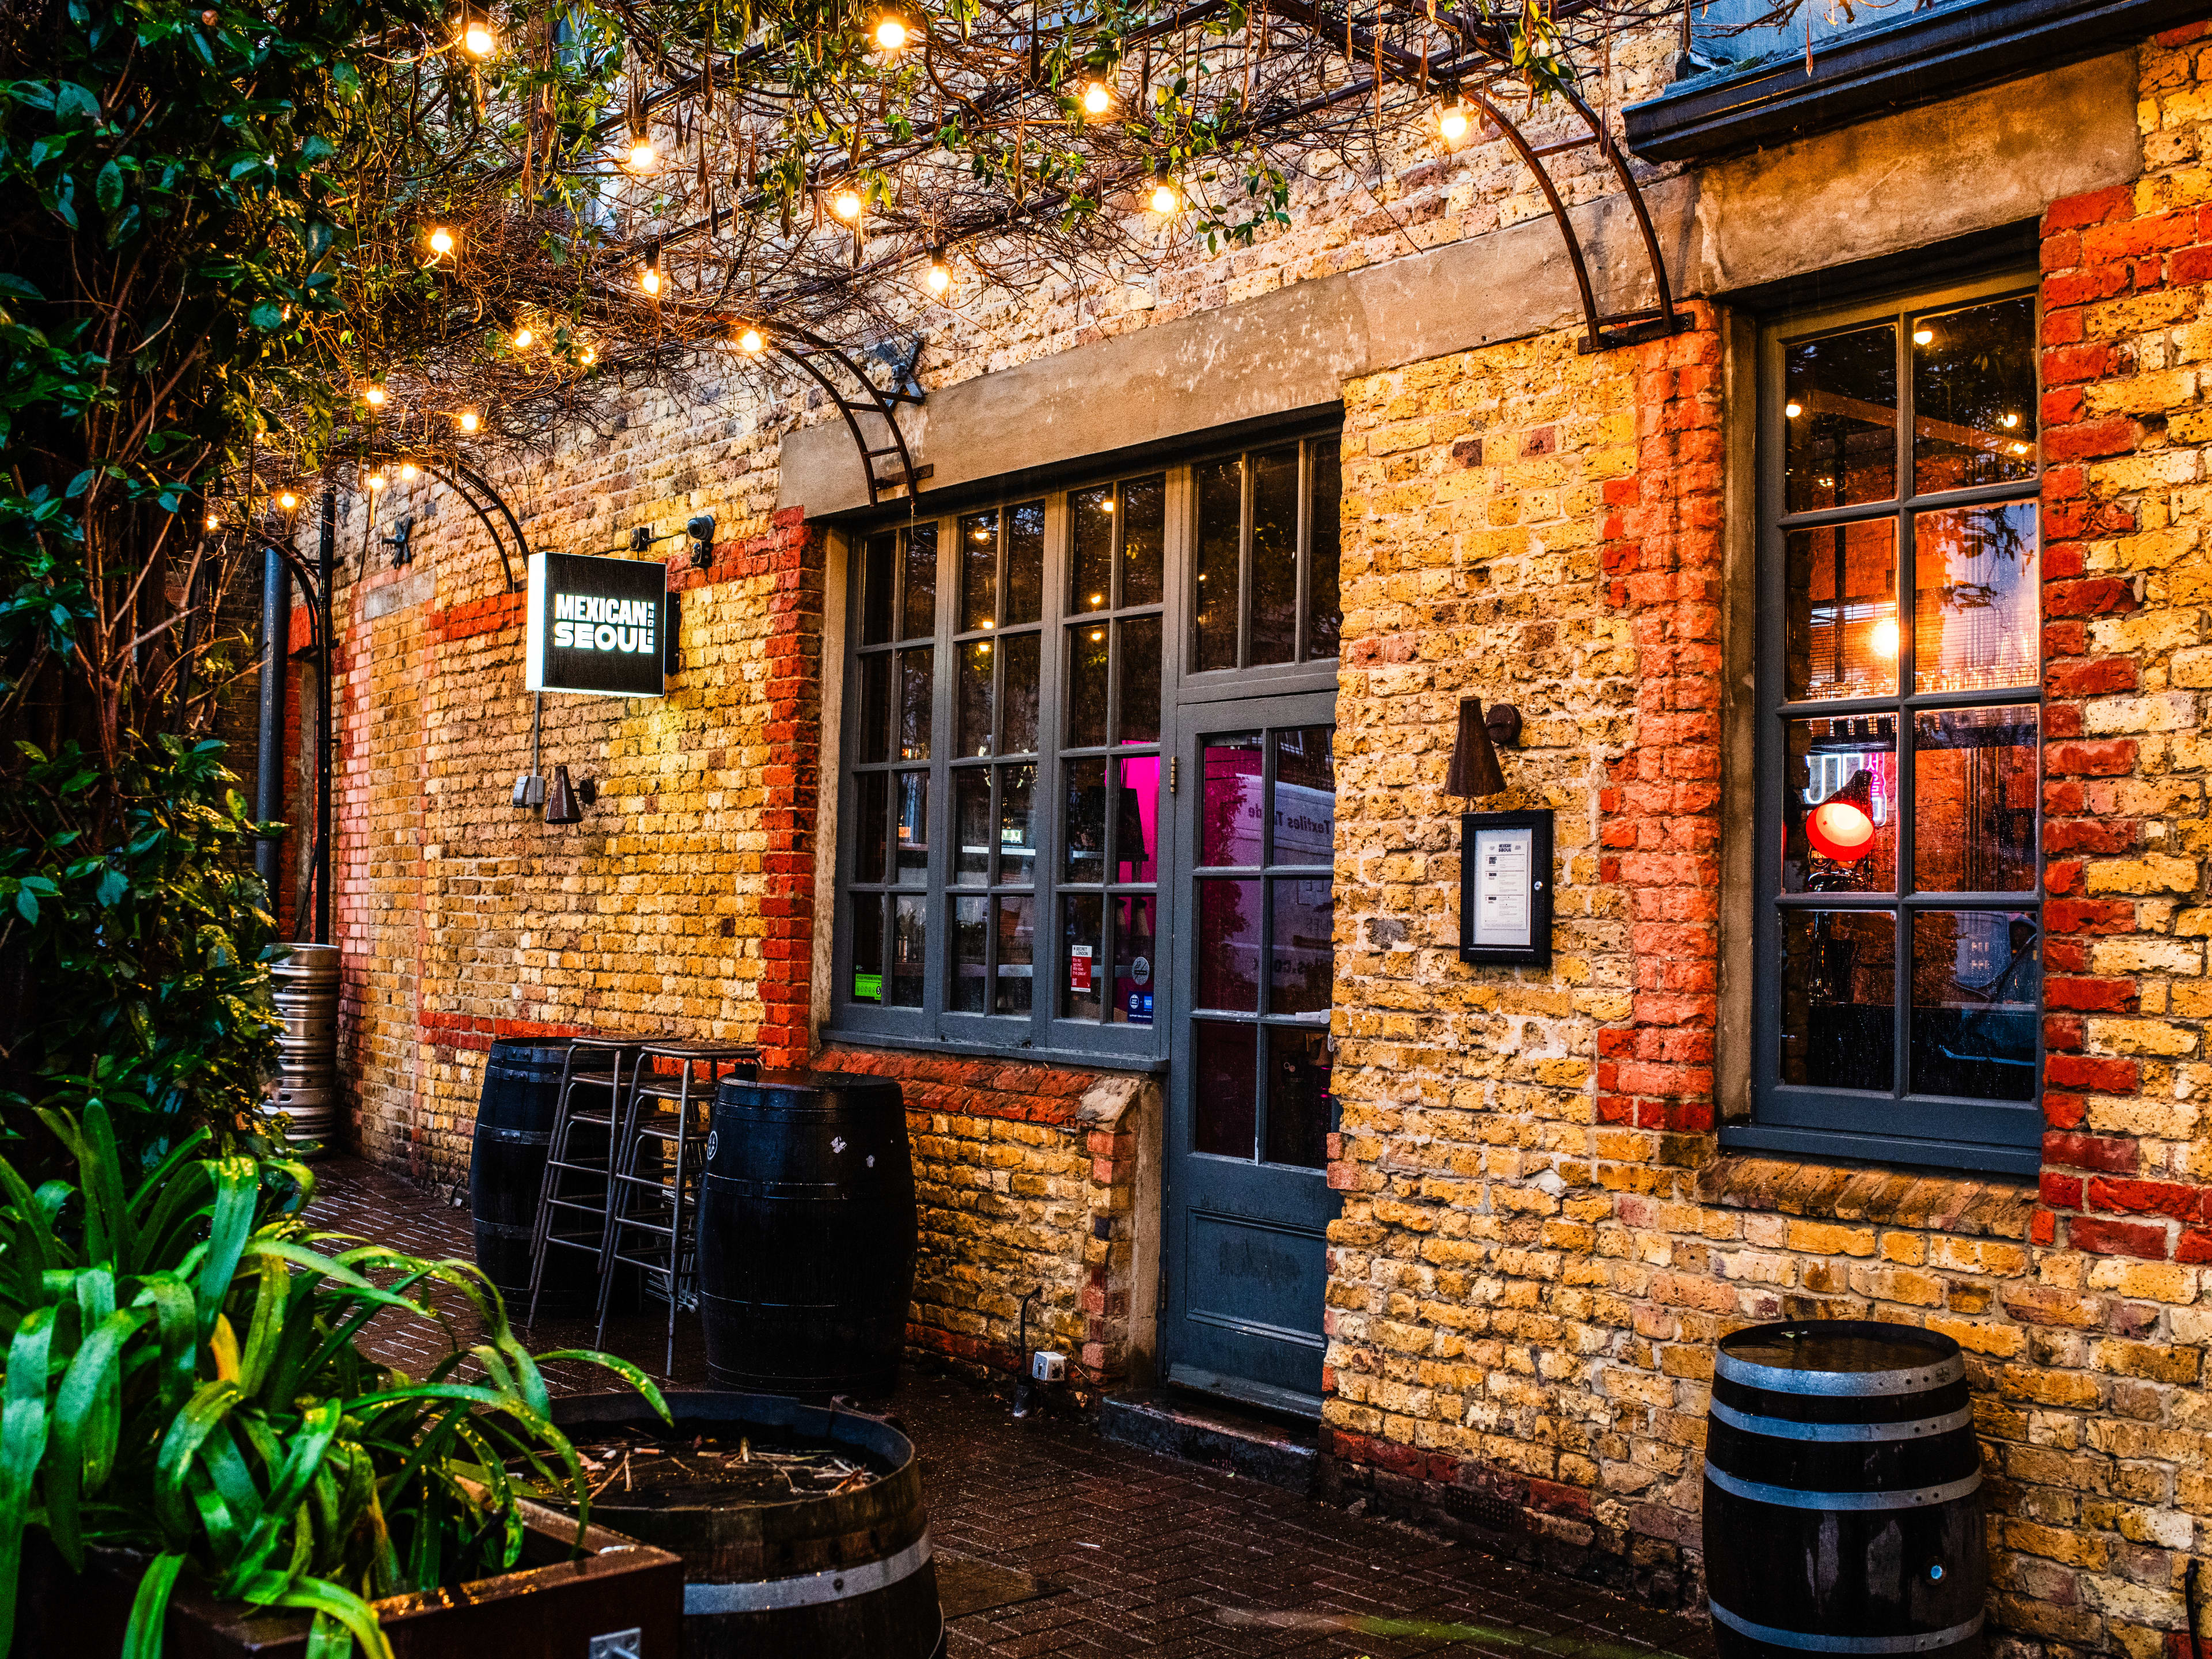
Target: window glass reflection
{"points": [[1977, 597], [972, 821], [1298, 1099], [1083, 831], [1305, 796], [971, 942], [1081, 984], [1016, 945], [1839, 805], [1144, 536], [1089, 649], [975, 665], [1303, 958], [876, 707], [867, 947], [979, 571], [1220, 525], [913, 828], [872, 839], [1977, 1003], [1973, 800], [1137, 826], [1841, 606], [1840, 999], [1090, 531], [1139, 721], [1839, 413], [917, 604], [1274, 557], [1018, 734], [1973, 395], [909, 948], [1324, 603], [1228, 945], [1224, 1089], [879, 587], [1231, 814], [1024, 595], [1136, 959], [917, 670], [1017, 825]]}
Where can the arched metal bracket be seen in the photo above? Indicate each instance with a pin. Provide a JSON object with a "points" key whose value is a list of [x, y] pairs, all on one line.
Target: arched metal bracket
{"points": [[858, 398], [476, 490]]}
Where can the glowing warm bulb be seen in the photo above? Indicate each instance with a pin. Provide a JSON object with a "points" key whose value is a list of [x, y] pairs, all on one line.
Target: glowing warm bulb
{"points": [[1097, 97], [1883, 640], [376, 481], [1164, 198], [641, 155], [1452, 123], [591, 355], [406, 469], [478, 39], [891, 32], [441, 241], [750, 341], [523, 336], [940, 278], [373, 397], [1793, 410], [1923, 336], [846, 204], [468, 420], [288, 500], [649, 279], [2012, 420], [213, 522], [1097, 599]]}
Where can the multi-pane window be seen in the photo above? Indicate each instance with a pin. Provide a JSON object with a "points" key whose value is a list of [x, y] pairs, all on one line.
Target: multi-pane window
{"points": [[1014, 670], [1900, 946]]}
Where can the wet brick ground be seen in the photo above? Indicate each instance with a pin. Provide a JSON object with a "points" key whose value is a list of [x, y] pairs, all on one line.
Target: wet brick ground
{"points": [[1144, 1555]]}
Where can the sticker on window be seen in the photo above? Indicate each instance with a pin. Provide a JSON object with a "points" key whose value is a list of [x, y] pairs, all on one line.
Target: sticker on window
{"points": [[1078, 968]]}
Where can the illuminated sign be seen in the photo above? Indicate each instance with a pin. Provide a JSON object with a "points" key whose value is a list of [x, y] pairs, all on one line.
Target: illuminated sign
{"points": [[597, 626]]}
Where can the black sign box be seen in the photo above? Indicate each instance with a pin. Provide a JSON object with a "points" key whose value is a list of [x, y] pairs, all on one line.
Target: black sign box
{"points": [[597, 625]]}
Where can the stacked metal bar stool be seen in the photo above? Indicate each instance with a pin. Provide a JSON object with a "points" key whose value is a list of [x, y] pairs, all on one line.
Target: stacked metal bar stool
{"points": [[659, 1156], [572, 1200]]}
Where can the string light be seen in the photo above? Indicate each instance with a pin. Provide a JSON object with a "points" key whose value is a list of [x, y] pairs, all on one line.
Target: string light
{"points": [[649, 279], [288, 500], [441, 241], [751, 343], [1165, 198], [376, 481], [1793, 409], [373, 397], [1097, 98], [591, 355], [406, 471], [641, 154], [1451, 121], [213, 523], [939, 274], [523, 336], [846, 204], [1923, 337], [891, 32], [476, 35], [468, 421]]}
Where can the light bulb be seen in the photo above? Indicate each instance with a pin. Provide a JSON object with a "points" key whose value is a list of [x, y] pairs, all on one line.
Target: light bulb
{"points": [[523, 336], [1924, 336], [441, 241], [213, 522], [750, 342], [1793, 410], [1840, 829], [478, 38], [1452, 123], [2012, 420], [1097, 599], [468, 420], [288, 500], [649, 279], [939, 278], [1164, 198], [376, 481], [641, 155], [1883, 640], [406, 469], [846, 204], [1106, 506], [373, 397], [591, 355], [891, 32], [1097, 634], [1097, 99]]}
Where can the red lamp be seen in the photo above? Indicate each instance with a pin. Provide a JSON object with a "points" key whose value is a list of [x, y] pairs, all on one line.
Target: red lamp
{"points": [[1841, 827]]}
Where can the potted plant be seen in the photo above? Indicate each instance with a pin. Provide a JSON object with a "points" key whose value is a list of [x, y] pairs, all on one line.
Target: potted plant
{"points": [[186, 1414]]}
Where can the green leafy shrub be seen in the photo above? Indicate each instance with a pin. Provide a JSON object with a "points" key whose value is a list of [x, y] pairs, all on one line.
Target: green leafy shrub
{"points": [[183, 1380], [137, 929]]}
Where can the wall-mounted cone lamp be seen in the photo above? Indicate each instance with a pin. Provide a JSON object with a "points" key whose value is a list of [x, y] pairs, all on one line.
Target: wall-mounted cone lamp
{"points": [[1474, 769], [562, 805]]}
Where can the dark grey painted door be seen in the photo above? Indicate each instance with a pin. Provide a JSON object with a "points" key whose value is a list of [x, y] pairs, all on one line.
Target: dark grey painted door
{"points": [[1248, 1198]]}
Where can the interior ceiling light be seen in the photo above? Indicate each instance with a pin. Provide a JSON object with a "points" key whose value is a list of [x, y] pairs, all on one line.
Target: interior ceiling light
{"points": [[1923, 337]]}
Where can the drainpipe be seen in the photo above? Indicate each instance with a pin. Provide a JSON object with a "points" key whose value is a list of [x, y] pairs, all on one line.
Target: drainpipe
{"points": [[325, 548], [276, 651]]}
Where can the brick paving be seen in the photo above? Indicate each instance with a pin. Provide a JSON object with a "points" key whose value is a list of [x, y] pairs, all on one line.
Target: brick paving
{"points": [[1143, 1554]]}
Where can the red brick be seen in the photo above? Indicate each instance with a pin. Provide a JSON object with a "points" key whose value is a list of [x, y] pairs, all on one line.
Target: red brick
{"points": [[2101, 1238], [2095, 207], [2079, 1151], [2147, 1197]]}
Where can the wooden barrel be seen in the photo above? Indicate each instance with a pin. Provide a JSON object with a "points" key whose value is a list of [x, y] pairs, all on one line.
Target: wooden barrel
{"points": [[830, 1575], [1842, 1494], [806, 1234], [506, 1166]]}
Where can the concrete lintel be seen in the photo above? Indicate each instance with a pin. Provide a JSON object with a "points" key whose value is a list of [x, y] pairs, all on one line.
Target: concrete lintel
{"points": [[1976, 162]]}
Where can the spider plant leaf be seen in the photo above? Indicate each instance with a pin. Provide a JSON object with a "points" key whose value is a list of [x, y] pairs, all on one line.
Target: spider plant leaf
{"points": [[100, 1171], [177, 1318], [31, 1248], [238, 1186], [166, 1173], [22, 1445], [286, 1492], [322, 1597], [614, 1362], [86, 1425], [149, 1608], [201, 1416], [328, 1638]]}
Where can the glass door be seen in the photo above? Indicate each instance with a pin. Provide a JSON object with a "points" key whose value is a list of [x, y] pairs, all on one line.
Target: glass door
{"points": [[1248, 1203]]}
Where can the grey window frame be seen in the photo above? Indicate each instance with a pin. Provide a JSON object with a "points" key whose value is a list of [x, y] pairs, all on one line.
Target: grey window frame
{"points": [[1961, 1133], [1043, 1034]]}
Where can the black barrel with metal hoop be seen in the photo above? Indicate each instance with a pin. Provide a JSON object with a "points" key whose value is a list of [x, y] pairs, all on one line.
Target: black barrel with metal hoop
{"points": [[1842, 1494]]}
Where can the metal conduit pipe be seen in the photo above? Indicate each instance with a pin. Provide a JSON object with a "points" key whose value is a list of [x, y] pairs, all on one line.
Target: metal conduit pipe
{"points": [[276, 655]]}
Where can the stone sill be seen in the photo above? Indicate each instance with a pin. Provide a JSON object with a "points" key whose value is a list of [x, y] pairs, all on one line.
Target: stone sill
{"points": [[1977, 1206], [1071, 1060]]}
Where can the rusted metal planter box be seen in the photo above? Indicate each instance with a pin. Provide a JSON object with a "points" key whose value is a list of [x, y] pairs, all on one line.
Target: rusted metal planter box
{"points": [[551, 1610]]}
